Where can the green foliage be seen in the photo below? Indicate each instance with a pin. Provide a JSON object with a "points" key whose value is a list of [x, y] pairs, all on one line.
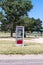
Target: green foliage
{"points": [[16, 14], [1, 16], [38, 24], [32, 24], [15, 9], [4, 25]]}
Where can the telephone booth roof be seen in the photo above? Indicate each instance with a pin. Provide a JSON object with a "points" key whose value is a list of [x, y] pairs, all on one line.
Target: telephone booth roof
{"points": [[19, 26]]}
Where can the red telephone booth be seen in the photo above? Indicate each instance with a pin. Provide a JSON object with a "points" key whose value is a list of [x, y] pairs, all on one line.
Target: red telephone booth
{"points": [[20, 35]]}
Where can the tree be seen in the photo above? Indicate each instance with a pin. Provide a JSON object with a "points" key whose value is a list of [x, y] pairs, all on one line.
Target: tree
{"points": [[32, 24], [15, 9], [3, 22], [4, 25], [29, 24], [37, 24]]}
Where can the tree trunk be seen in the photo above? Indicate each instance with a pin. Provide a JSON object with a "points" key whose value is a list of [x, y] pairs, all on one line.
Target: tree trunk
{"points": [[41, 33], [11, 32], [11, 29]]}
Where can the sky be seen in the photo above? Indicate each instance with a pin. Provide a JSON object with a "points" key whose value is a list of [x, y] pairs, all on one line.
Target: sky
{"points": [[37, 11]]}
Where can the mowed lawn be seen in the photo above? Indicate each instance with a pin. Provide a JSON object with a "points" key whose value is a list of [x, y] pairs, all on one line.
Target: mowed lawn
{"points": [[9, 47], [6, 34]]}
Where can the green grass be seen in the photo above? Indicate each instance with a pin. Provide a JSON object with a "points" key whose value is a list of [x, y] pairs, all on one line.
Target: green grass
{"points": [[6, 34], [8, 47]]}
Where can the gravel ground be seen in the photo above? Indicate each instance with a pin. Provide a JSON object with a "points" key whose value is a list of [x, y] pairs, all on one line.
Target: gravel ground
{"points": [[36, 40]]}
